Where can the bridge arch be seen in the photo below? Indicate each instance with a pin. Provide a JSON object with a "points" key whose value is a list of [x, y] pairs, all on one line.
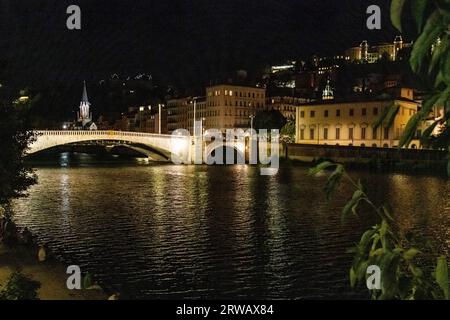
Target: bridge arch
{"points": [[170, 146], [238, 147]]}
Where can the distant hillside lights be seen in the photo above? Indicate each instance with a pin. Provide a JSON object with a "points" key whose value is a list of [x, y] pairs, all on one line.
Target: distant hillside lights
{"points": [[365, 53]]}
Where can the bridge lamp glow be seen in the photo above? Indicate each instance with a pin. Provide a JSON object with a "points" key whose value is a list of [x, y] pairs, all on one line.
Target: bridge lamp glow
{"points": [[178, 145]]}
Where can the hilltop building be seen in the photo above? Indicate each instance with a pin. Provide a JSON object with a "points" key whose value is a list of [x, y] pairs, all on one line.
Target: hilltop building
{"points": [[372, 54]]}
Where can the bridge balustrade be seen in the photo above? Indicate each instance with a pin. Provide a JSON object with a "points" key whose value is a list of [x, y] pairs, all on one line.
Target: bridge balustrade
{"points": [[98, 132]]}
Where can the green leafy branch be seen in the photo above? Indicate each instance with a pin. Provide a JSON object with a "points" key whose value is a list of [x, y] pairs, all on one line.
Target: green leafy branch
{"points": [[404, 271], [430, 59]]}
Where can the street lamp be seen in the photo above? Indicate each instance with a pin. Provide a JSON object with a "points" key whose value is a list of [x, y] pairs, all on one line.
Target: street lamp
{"points": [[194, 101], [159, 115], [251, 122], [141, 110]]}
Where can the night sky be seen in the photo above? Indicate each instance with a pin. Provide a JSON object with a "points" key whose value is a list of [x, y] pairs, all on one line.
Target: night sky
{"points": [[181, 42]]}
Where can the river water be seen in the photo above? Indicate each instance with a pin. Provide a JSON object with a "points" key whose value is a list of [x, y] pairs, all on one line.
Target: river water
{"points": [[154, 231]]}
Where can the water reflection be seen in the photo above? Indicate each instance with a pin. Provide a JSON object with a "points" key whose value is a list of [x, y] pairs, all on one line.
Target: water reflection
{"points": [[216, 232]]}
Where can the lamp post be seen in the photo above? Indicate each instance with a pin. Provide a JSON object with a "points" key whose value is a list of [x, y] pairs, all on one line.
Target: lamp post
{"points": [[159, 115], [250, 139], [194, 101], [141, 110], [197, 146]]}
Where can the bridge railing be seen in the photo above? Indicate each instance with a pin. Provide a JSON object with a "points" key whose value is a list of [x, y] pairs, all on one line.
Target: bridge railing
{"points": [[98, 133]]}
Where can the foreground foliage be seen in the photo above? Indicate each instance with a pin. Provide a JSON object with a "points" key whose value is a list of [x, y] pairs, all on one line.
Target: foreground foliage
{"points": [[430, 59], [20, 287], [406, 264], [15, 137]]}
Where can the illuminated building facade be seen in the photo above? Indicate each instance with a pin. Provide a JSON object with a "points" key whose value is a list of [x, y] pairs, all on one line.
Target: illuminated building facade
{"points": [[231, 106], [351, 123], [372, 54]]}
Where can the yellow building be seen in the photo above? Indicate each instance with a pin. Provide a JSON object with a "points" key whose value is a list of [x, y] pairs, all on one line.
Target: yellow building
{"points": [[230, 106], [350, 123]]}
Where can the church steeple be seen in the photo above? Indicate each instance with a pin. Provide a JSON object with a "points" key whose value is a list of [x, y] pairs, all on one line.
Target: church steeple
{"points": [[84, 98], [84, 115]]}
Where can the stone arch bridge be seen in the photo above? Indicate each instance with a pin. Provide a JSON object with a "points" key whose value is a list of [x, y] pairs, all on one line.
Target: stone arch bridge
{"points": [[170, 146]]}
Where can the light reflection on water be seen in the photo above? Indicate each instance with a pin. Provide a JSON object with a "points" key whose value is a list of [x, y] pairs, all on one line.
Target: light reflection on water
{"points": [[216, 232]]}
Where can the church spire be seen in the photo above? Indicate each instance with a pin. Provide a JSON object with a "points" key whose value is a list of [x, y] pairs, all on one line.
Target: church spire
{"points": [[84, 115], [84, 98]]}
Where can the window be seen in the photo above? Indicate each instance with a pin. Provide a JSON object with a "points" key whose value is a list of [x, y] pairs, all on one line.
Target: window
{"points": [[325, 133], [302, 134], [375, 111], [364, 112], [312, 114], [338, 113], [375, 134], [363, 133], [352, 112], [386, 133], [350, 133], [302, 114], [325, 114], [311, 134], [338, 133]]}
